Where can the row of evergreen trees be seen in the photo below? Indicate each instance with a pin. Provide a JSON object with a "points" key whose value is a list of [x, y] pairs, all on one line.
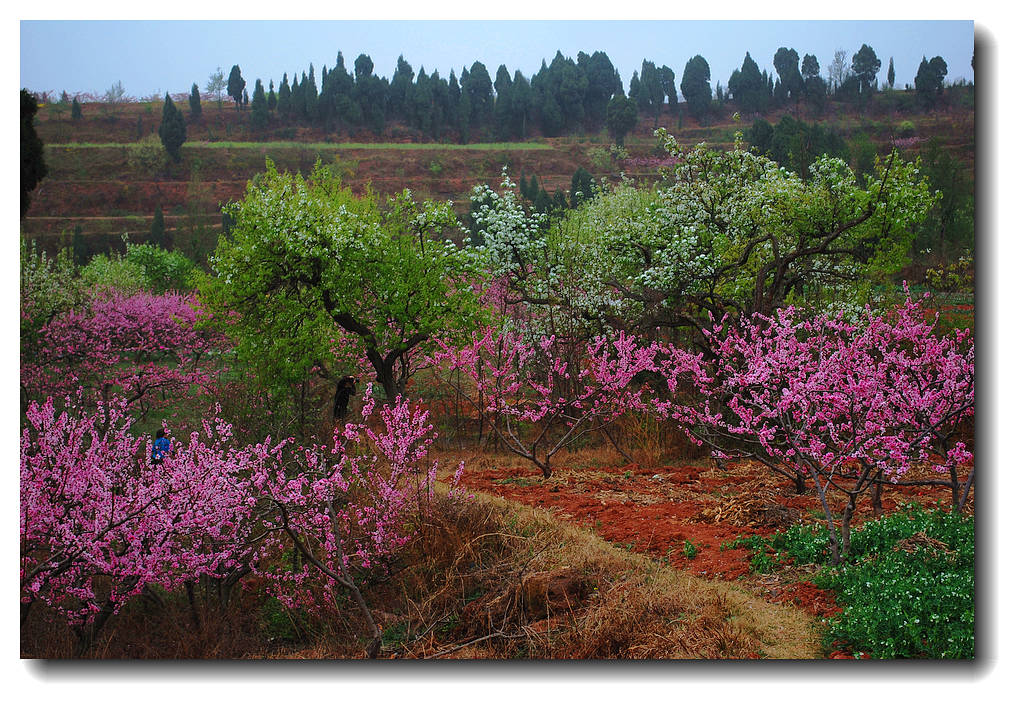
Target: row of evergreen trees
{"points": [[564, 96]]}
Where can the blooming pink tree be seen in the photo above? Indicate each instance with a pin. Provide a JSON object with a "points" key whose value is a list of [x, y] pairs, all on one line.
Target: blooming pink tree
{"points": [[99, 522], [349, 508], [513, 382], [128, 345], [841, 404]]}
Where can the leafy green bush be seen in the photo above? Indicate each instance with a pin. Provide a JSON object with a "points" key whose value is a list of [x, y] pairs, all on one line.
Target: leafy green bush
{"points": [[113, 273], [147, 156], [908, 590], [164, 270], [143, 267]]}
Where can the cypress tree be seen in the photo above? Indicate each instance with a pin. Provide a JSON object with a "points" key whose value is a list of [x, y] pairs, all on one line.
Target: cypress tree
{"points": [[260, 112], [582, 187], [236, 85], [284, 94], [76, 110], [271, 97], [195, 104], [157, 232], [78, 249], [33, 169], [172, 129]]}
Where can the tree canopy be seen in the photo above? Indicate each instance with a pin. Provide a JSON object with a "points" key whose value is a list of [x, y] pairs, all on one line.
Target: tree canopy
{"points": [[321, 278]]}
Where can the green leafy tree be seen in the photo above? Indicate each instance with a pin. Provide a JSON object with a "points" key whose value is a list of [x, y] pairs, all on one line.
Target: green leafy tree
{"points": [[865, 66], [172, 129], [727, 232], [33, 167], [308, 263], [696, 87], [929, 79], [621, 117], [195, 103], [602, 82], [814, 86], [216, 85], [791, 83], [236, 85]]}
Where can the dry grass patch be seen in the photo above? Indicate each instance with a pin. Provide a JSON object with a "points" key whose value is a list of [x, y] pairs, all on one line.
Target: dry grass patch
{"points": [[494, 579]]}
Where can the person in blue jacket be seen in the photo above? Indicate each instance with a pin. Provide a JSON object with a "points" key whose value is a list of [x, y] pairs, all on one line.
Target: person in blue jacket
{"points": [[161, 448]]}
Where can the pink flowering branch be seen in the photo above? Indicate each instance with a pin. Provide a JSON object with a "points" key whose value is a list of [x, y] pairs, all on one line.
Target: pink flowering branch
{"points": [[512, 382], [350, 508], [99, 522]]}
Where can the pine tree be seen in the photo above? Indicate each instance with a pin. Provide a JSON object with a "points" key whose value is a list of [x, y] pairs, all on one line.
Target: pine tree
{"points": [[79, 254], [157, 233], [195, 103], [621, 117], [260, 111], [696, 87], [236, 85], [284, 94], [582, 186], [172, 129]]}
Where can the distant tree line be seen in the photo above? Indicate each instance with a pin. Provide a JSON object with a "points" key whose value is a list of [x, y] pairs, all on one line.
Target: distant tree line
{"points": [[565, 96]]}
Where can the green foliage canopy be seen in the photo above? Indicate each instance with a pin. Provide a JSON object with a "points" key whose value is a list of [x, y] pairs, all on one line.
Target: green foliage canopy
{"points": [[307, 262]]}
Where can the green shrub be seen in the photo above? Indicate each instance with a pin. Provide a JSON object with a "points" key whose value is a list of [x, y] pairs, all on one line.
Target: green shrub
{"points": [[899, 598], [164, 270], [906, 129], [147, 156], [143, 267], [113, 273]]}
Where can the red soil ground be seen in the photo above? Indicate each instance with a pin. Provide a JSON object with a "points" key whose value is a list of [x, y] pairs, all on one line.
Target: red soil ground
{"points": [[656, 510]]}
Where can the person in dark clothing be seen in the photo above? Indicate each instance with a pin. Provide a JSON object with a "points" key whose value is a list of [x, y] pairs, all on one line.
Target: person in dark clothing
{"points": [[161, 448], [346, 388]]}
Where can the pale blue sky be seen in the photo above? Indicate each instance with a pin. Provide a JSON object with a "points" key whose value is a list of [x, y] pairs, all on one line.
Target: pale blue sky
{"points": [[153, 56]]}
